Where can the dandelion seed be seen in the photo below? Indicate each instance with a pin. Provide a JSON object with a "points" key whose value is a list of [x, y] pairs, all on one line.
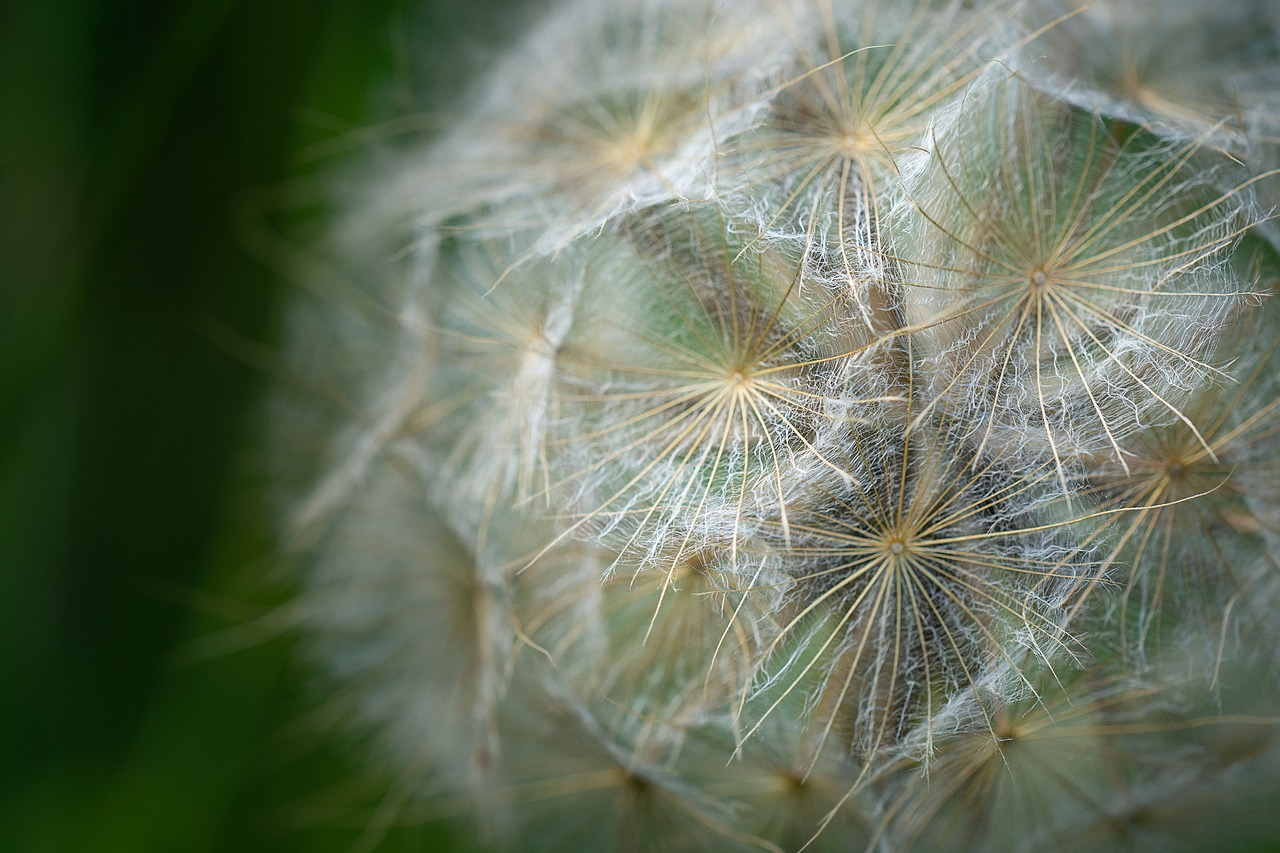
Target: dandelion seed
{"points": [[822, 167], [784, 795], [699, 379], [675, 647], [909, 587], [389, 560], [605, 109], [1060, 767], [1165, 64], [585, 778], [1070, 283], [1196, 541], [501, 344]]}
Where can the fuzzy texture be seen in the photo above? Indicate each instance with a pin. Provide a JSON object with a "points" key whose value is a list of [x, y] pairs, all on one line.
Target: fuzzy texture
{"points": [[825, 425]]}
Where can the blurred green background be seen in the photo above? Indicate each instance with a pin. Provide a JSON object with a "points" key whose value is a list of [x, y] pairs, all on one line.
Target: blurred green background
{"points": [[137, 323]]}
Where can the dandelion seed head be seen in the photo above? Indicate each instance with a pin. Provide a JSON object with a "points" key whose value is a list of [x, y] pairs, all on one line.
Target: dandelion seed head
{"points": [[793, 425]]}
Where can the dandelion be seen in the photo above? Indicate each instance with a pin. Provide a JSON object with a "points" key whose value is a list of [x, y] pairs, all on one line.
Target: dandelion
{"points": [[787, 425]]}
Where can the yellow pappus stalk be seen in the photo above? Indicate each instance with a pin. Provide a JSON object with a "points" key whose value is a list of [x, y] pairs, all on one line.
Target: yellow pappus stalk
{"points": [[816, 424]]}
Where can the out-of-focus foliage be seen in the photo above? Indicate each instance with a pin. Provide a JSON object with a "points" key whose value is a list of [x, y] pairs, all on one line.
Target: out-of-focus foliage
{"points": [[145, 148]]}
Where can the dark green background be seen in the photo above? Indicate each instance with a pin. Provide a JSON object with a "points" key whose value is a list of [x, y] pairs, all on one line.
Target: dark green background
{"points": [[137, 323]]}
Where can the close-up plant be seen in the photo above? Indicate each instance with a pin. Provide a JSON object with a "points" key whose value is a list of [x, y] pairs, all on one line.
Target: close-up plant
{"points": [[814, 424]]}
